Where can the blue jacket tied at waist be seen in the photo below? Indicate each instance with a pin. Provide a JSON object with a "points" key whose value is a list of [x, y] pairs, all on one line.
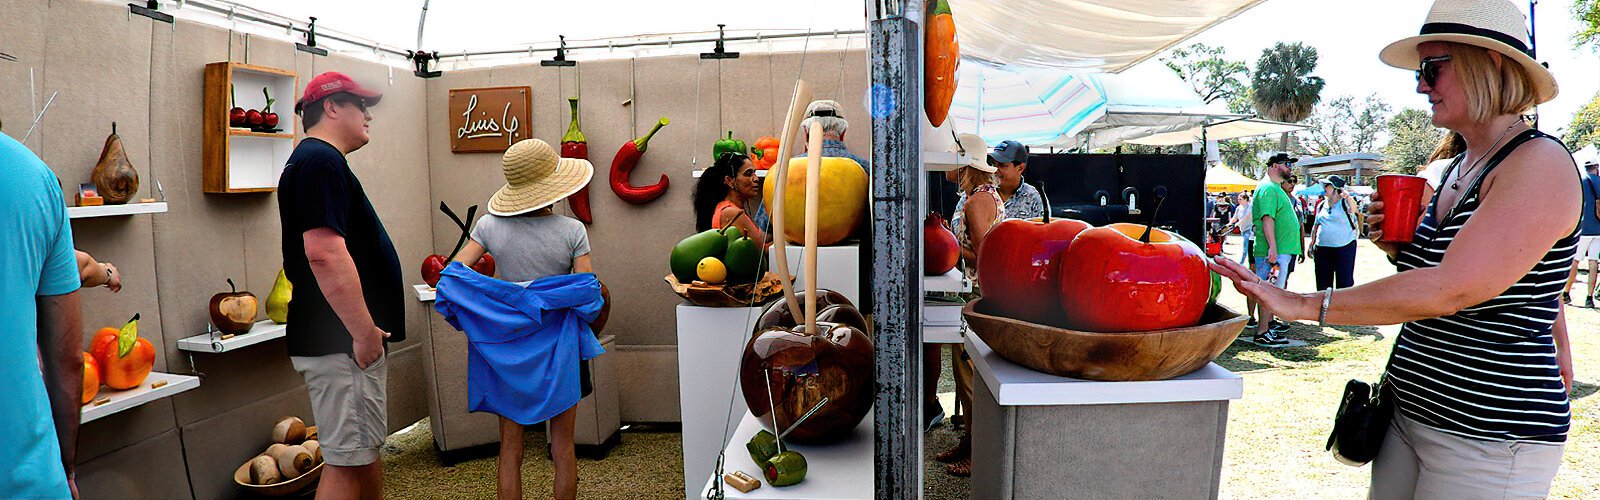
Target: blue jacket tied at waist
{"points": [[524, 341]]}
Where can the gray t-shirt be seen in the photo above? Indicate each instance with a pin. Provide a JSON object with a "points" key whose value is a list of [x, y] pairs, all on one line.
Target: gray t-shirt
{"points": [[529, 248]]}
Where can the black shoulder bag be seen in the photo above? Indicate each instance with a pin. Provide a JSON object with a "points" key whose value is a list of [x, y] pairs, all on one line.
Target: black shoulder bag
{"points": [[1363, 419]]}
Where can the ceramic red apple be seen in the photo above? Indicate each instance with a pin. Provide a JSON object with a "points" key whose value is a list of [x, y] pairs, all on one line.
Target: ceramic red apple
{"points": [[1019, 268], [1131, 278], [800, 369], [940, 252]]}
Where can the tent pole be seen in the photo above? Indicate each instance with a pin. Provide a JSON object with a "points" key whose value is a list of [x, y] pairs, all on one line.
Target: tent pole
{"points": [[894, 59]]}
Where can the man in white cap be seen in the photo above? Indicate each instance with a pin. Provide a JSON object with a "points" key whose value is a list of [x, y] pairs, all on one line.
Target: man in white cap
{"points": [[834, 126]]}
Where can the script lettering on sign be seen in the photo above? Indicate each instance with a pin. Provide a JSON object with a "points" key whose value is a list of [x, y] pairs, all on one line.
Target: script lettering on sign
{"points": [[488, 120]]}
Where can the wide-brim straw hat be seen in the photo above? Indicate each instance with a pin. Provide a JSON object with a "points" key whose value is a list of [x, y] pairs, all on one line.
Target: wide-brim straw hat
{"points": [[1492, 24], [976, 150], [537, 177]]}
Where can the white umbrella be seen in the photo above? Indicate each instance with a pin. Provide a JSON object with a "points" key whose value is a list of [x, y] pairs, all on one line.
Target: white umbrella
{"points": [[1027, 106]]}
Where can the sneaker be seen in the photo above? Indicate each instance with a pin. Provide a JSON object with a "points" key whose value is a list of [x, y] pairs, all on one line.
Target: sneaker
{"points": [[1251, 325], [934, 419], [1566, 298], [1270, 339], [1587, 303], [1278, 327]]}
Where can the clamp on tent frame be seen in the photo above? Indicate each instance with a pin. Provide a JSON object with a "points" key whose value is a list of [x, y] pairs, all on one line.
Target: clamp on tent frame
{"points": [[720, 51], [150, 9], [311, 41], [561, 55], [420, 59]]}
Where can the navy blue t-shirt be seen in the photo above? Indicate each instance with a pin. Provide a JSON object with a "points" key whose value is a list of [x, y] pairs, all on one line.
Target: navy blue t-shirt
{"points": [[318, 189], [1591, 190]]}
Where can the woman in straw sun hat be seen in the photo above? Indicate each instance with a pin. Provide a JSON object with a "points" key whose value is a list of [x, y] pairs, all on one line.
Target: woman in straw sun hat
{"points": [[1481, 370], [530, 242]]}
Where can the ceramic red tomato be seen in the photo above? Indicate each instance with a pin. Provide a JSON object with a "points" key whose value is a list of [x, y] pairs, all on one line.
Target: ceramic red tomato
{"points": [[1112, 281], [1019, 268]]}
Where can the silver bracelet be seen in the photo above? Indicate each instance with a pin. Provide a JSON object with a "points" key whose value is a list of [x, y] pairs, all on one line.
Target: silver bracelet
{"points": [[1327, 298]]}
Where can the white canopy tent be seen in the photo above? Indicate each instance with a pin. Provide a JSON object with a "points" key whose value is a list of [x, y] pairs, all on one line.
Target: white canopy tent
{"points": [[1084, 35], [1230, 129]]}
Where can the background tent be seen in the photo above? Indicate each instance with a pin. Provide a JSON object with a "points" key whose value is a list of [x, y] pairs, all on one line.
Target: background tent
{"points": [[1221, 179]]}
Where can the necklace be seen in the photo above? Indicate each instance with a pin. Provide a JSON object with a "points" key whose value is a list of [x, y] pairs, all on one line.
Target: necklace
{"points": [[1461, 174]]}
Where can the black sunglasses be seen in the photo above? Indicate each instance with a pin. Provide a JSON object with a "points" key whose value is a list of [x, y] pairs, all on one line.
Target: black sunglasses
{"points": [[1428, 69]]}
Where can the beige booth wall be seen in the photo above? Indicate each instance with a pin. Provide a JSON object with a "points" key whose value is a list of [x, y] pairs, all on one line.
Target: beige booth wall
{"points": [[630, 242], [146, 76]]}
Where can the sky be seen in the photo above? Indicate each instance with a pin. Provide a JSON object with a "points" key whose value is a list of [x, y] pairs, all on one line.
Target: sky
{"points": [[1347, 33]]}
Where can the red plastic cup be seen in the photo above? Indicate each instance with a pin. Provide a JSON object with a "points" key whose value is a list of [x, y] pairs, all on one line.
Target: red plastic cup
{"points": [[1402, 195]]}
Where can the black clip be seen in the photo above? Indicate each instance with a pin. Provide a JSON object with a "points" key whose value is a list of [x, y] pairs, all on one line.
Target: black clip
{"points": [[151, 10], [311, 41], [561, 56], [720, 52], [420, 59]]}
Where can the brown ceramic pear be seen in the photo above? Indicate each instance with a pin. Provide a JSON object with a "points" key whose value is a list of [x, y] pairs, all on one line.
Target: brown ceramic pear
{"points": [[799, 369], [113, 176]]}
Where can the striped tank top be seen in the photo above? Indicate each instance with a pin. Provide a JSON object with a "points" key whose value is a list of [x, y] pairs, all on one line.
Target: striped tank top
{"points": [[1489, 371]]}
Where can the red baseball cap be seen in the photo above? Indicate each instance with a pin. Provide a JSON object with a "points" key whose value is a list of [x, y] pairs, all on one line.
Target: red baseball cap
{"points": [[331, 83]]}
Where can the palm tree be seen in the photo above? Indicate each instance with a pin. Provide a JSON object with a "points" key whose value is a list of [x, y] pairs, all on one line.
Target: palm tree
{"points": [[1282, 87]]}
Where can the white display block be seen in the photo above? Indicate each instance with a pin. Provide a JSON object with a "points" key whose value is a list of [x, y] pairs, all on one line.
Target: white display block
{"points": [[953, 281], [933, 334], [114, 210], [711, 342], [838, 269], [425, 293], [123, 400], [841, 470], [1016, 385], [212, 342]]}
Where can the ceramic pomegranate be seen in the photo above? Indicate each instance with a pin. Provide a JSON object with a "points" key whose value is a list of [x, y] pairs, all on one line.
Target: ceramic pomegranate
{"points": [[799, 369], [940, 252]]}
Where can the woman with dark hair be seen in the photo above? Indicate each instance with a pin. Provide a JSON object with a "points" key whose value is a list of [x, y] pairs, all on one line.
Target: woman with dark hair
{"points": [[724, 191], [1481, 370]]}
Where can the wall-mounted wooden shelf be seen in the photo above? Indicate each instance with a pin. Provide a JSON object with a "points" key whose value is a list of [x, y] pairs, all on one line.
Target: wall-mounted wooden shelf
{"points": [[117, 401], [115, 210], [237, 160], [425, 293], [213, 343]]}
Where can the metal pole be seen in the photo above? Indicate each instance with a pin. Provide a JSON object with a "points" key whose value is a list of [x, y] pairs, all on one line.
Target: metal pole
{"points": [[1533, 47], [894, 58]]}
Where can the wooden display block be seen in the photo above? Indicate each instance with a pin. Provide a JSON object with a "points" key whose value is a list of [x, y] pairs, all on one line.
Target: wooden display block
{"points": [[239, 160]]}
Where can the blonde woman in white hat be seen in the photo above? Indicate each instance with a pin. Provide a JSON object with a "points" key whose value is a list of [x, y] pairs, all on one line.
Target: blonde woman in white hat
{"points": [[1481, 370], [529, 242], [977, 211]]}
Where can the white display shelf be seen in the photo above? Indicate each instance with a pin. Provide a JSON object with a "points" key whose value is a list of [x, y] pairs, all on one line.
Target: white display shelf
{"points": [[425, 293], [123, 400], [212, 342], [943, 334], [115, 210], [953, 281], [840, 470], [698, 172], [711, 341], [942, 161], [1016, 385]]}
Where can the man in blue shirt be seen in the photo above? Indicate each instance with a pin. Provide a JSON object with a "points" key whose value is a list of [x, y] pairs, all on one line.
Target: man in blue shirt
{"points": [[834, 126], [1588, 234], [1022, 200], [41, 330]]}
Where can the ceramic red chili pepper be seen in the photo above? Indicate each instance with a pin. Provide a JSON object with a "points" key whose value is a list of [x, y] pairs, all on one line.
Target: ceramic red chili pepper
{"points": [[626, 158], [575, 145]]}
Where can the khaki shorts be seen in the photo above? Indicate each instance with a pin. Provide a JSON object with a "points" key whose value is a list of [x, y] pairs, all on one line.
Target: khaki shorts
{"points": [[1418, 462], [349, 405]]}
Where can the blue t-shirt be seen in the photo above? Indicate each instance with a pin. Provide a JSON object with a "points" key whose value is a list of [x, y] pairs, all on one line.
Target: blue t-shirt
{"points": [[36, 259], [1336, 225], [1591, 189]]}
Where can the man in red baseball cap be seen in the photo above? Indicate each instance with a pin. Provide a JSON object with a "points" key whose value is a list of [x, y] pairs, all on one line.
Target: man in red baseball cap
{"points": [[349, 298]]}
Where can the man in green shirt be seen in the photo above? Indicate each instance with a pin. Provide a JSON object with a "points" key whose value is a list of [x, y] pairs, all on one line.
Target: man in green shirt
{"points": [[1277, 240]]}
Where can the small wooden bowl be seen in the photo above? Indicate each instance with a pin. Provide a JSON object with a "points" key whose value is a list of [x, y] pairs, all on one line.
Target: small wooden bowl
{"points": [[1157, 355], [284, 488], [746, 295]]}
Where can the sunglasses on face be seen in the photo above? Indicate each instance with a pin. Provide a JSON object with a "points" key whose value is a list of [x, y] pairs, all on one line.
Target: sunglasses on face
{"points": [[1428, 70]]}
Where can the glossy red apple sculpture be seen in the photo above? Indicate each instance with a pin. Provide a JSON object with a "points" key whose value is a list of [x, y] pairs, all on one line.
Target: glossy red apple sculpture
{"points": [[835, 363], [1111, 281], [1019, 268], [940, 251]]}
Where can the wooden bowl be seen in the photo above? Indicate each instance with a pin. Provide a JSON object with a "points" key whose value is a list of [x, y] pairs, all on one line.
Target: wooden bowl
{"points": [[1157, 355], [745, 295], [285, 488]]}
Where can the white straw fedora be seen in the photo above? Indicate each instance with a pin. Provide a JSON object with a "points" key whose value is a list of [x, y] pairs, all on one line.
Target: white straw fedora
{"points": [[977, 151], [1492, 24], [536, 177]]}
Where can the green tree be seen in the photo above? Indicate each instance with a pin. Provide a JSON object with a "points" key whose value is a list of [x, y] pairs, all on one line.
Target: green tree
{"points": [[1206, 69], [1585, 127], [1587, 13], [1246, 156], [1412, 138], [1345, 125], [1283, 87]]}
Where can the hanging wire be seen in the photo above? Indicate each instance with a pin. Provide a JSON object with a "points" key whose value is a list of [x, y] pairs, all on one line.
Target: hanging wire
{"points": [[694, 158]]}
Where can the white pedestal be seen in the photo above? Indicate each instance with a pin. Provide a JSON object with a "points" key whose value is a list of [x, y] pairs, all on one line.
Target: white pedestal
{"points": [[841, 470], [710, 343], [838, 269]]}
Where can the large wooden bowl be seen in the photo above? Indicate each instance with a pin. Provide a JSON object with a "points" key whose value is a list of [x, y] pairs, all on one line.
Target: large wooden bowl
{"points": [[283, 488], [745, 295], [1157, 355]]}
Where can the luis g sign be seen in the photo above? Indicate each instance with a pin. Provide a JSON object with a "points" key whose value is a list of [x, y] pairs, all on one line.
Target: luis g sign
{"points": [[489, 120]]}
